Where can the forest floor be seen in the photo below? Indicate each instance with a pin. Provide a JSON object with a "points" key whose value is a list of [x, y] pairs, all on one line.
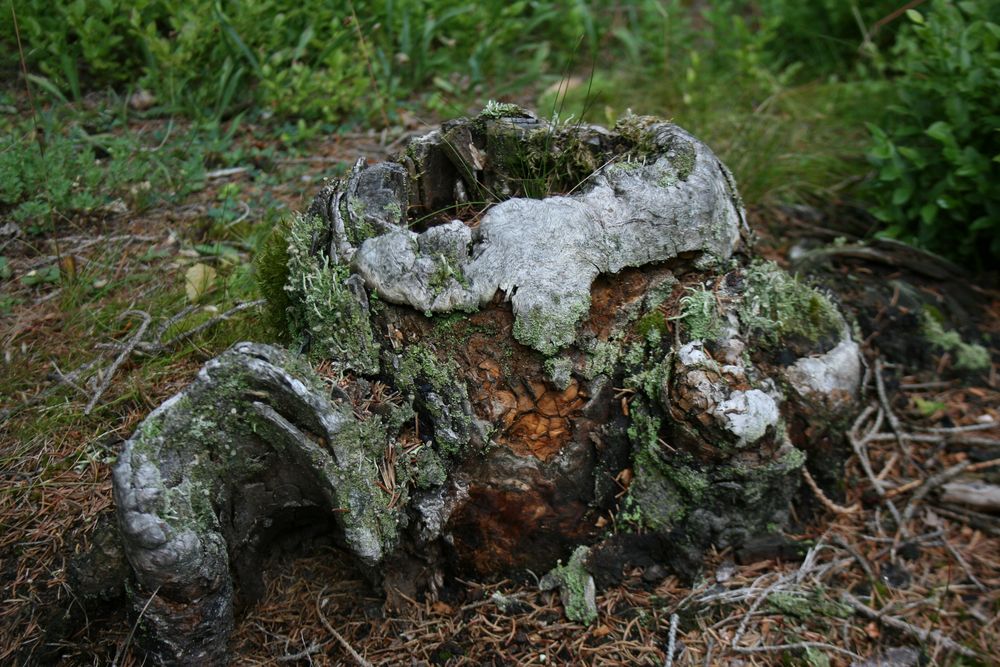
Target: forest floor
{"points": [[896, 565]]}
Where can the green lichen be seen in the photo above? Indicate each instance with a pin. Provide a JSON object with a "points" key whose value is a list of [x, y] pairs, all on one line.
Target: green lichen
{"points": [[365, 442], [682, 156], [807, 604], [560, 371], [548, 331], [447, 272], [700, 314], [438, 391], [968, 356], [324, 312], [429, 470], [576, 587], [776, 306], [494, 109], [602, 357]]}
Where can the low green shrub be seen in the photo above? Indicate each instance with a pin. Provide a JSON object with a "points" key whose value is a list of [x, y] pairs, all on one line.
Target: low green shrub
{"points": [[938, 150]]}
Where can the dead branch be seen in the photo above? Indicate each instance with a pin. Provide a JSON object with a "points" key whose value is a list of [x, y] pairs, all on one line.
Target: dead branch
{"points": [[120, 359], [339, 637], [912, 630]]}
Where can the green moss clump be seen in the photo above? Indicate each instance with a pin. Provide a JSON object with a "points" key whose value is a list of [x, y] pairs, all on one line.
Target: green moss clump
{"points": [[324, 312], [652, 324], [439, 391], [271, 274], [494, 109], [776, 305], [700, 314], [968, 356]]}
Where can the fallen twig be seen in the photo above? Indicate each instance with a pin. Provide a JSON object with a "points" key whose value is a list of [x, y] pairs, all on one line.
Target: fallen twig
{"points": [[824, 500], [339, 637], [899, 624], [120, 359]]}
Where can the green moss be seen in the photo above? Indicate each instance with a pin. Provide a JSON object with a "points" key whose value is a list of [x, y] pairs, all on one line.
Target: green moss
{"points": [[652, 324], [543, 162], [968, 356], [324, 312], [635, 131], [271, 274], [700, 314], [776, 305], [494, 109]]}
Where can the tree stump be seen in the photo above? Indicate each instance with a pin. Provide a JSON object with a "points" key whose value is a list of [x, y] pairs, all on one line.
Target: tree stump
{"points": [[516, 341]]}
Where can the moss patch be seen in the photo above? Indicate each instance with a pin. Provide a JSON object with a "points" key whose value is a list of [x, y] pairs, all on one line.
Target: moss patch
{"points": [[576, 587], [968, 356], [325, 313], [271, 274], [776, 306]]}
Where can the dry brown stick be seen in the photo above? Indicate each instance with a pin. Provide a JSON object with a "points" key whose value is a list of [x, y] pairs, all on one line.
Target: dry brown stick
{"points": [[963, 564], [841, 542], [899, 624], [798, 646], [894, 424], [824, 500], [960, 429], [120, 359], [929, 485], [336, 635]]}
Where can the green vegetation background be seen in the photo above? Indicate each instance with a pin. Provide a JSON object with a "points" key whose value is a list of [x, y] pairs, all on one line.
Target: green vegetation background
{"points": [[805, 101]]}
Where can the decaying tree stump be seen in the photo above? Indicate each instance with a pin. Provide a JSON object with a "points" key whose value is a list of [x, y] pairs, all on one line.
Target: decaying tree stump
{"points": [[530, 340]]}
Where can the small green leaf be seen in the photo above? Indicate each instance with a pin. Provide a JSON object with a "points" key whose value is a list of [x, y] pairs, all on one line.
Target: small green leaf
{"points": [[216, 250], [915, 16], [927, 408], [50, 274], [5, 270], [940, 131]]}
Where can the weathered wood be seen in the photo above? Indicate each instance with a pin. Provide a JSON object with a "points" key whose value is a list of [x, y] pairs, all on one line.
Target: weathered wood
{"points": [[972, 493], [507, 384]]}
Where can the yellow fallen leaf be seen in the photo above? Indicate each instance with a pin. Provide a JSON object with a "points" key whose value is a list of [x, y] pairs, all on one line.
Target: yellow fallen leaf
{"points": [[198, 280]]}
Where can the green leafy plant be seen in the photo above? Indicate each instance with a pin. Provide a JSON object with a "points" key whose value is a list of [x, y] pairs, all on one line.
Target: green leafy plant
{"points": [[76, 172], [938, 151]]}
